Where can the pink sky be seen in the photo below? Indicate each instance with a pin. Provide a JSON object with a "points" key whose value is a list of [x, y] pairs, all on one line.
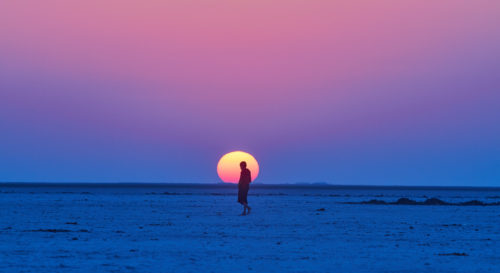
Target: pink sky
{"points": [[293, 71]]}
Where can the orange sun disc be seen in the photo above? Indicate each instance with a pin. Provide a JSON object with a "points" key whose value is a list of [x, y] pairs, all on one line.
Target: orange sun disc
{"points": [[229, 170]]}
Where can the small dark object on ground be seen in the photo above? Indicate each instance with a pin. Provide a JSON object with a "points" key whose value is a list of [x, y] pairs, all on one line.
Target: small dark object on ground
{"points": [[463, 254], [473, 203], [374, 202], [434, 201], [321, 209], [406, 201], [53, 230]]}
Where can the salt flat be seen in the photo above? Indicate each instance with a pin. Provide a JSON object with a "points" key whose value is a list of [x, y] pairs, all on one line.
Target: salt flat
{"points": [[189, 230]]}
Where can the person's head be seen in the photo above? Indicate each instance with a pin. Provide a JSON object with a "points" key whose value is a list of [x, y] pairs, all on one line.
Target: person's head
{"points": [[243, 165]]}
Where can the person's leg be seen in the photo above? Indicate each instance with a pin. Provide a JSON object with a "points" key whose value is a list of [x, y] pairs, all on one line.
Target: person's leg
{"points": [[247, 208], [244, 209], [245, 202]]}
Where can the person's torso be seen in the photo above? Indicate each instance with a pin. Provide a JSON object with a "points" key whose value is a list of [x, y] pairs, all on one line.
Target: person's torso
{"points": [[245, 178]]}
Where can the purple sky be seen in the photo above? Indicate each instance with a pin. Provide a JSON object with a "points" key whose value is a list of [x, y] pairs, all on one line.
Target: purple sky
{"points": [[345, 92]]}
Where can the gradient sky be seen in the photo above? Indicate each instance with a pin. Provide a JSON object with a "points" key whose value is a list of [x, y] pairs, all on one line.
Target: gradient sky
{"points": [[366, 92]]}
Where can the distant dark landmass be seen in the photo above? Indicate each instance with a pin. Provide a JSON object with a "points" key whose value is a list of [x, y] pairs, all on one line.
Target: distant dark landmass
{"points": [[427, 202]]}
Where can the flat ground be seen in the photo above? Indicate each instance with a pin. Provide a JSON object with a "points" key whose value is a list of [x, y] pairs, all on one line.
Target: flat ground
{"points": [[143, 232]]}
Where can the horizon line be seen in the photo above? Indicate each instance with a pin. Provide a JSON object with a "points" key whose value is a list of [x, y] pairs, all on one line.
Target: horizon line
{"points": [[299, 184]]}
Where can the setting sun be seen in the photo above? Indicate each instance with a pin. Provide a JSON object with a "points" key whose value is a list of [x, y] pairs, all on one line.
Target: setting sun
{"points": [[228, 167]]}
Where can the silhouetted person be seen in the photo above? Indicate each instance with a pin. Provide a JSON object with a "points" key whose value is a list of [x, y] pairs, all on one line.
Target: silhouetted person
{"points": [[243, 187]]}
